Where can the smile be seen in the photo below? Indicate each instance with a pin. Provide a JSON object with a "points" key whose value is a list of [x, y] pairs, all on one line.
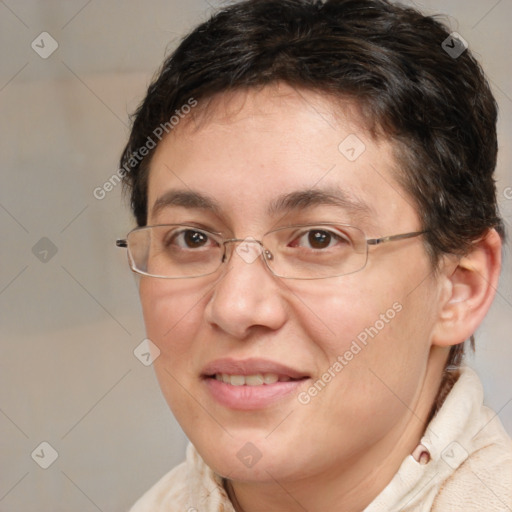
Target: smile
{"points": [[251, 384], [258, 379]]}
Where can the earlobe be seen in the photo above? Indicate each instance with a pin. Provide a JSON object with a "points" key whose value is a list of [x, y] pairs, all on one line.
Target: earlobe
{"points": [[468, 291]]}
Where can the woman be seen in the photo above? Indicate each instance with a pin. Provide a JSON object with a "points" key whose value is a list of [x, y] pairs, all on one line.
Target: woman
{"points": [[317, 238]]}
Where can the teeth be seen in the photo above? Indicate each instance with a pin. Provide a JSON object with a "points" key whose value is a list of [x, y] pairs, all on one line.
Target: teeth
{"points": [[270, 378], [258, 379], [237, 380], [254, 380]]}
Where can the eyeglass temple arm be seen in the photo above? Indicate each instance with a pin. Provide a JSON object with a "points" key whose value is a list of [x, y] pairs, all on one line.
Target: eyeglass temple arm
{"points": [[392, 238]]}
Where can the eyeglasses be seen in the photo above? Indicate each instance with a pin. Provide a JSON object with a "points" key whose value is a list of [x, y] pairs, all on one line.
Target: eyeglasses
{"points": [[306, 251]]}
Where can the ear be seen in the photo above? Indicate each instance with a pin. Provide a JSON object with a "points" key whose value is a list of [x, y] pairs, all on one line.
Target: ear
{"points": [[468, 289]]}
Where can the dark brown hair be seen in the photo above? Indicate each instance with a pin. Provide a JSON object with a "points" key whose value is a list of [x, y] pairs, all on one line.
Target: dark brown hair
{"points": [[391, 60]]}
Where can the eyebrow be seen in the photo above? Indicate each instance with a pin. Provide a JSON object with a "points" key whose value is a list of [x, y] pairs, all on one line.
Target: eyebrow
{"points": [[309, 198], [296, 200], [185, 199]]}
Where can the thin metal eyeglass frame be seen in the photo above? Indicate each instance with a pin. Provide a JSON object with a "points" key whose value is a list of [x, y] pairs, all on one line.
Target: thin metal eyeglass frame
{"points": [[123, 243]]}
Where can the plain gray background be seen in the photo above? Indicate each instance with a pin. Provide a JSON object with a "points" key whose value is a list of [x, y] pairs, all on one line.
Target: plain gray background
{"points": [[70, 318]]}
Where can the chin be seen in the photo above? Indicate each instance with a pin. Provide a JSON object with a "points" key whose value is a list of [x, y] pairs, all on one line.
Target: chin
{"points": [[247, 456]]}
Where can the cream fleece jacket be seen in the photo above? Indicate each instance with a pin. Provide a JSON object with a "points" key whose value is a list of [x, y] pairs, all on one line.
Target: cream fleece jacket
{"points": [[470, 467]]}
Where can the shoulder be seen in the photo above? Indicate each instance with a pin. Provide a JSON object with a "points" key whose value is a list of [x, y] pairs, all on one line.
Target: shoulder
{"points": [[470, 466], [189, 487], [482, 482], [167, 494], [483, 478]]}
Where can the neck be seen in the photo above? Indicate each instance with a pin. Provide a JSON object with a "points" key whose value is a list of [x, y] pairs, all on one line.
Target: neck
{"points": [[353, 484]]}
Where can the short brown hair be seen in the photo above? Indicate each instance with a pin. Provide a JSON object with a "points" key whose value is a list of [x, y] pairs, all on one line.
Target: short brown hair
{"points": [[436, 107]]}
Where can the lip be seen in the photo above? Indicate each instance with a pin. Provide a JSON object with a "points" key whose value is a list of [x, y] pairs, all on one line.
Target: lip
{"points": [[251, 397], [250, 367]]}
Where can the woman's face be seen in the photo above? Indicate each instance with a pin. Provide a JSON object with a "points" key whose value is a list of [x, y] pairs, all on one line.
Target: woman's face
{"points": [[349, 353]]}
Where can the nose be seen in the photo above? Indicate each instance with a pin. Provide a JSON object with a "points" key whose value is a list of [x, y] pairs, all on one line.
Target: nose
{"points": [[247, 296]]}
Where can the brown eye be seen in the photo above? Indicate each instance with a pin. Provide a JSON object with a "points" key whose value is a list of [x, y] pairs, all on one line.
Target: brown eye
{"points": [[319, 239], [189, 239], [194, 238]]}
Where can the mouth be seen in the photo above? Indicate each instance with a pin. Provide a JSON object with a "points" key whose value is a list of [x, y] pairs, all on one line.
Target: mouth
{"points": [[252, 383], [258, 379]]}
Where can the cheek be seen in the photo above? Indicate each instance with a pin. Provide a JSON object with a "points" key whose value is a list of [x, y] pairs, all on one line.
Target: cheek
{"points": [[371, 367], [367, 332], [344, 311], [172, 314]]}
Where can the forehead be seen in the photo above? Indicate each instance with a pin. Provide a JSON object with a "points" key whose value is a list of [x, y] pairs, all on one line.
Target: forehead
{"points": [[249, 150]]}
